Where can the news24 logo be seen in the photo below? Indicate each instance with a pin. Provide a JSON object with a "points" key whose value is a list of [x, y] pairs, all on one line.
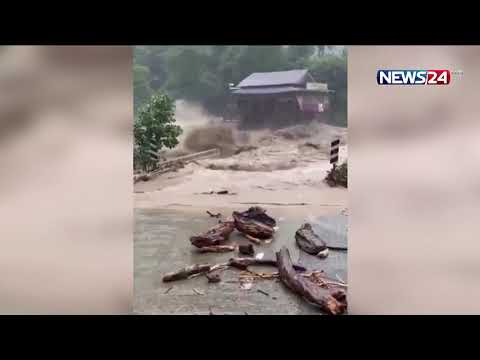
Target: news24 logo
{"points": [[414, 77]]}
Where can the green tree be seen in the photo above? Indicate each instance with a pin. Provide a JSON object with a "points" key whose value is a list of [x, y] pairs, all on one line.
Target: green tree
{"points": [[203, 73], [141, 85], [332, 69], [298, 55], [154, 128]]}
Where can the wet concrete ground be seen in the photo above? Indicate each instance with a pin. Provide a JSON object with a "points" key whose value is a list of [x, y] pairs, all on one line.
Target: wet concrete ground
{"points": [[162, 245]]}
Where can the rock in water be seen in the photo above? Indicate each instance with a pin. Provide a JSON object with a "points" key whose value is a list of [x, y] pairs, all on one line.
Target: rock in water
{"points": [[308, 241]]}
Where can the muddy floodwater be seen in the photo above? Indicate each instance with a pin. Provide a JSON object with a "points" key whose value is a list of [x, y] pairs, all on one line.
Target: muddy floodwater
{"points": [[162, 245], [281, 171]]}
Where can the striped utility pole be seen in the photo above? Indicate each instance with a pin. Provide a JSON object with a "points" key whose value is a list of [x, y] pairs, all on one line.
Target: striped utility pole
{"points": [[334, 145]]}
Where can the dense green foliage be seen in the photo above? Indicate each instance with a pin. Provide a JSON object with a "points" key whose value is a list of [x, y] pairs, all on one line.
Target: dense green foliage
{"points": [[153, 129], [203, 73]]}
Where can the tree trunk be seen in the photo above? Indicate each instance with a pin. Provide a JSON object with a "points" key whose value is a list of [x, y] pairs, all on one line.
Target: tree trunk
{"points": [[216, 249], [306, 288], [186, 272]]}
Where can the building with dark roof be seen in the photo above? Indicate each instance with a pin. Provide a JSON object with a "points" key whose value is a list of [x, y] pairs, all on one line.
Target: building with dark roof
{"points": [[280, 98]]}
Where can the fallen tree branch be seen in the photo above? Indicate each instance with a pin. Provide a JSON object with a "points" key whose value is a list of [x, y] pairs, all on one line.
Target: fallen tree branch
{"points": [[243, 263], [186, 272], [217, 215], [263, 292], [216, 249], [306, 288], [192, 271]]}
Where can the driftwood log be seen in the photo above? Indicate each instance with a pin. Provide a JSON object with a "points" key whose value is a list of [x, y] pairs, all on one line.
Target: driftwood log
{"points": [[252, 227], [216, 249], [307, 289], [243, 263], [239, 263], [215, 236], [308, 241], [186, 272]]}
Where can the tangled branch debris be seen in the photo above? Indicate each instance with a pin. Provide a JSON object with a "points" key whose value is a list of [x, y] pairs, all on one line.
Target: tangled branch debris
{"points": [[244, 263], [239, 263], [329, 295]]}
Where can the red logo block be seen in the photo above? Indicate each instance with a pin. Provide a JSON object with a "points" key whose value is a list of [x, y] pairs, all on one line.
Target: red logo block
{"points": [[438, 77]]}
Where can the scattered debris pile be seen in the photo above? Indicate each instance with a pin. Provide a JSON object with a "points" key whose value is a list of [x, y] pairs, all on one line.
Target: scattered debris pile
{"points": [[338, 176], [257, 226], [314, 287], [254, 224]]}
